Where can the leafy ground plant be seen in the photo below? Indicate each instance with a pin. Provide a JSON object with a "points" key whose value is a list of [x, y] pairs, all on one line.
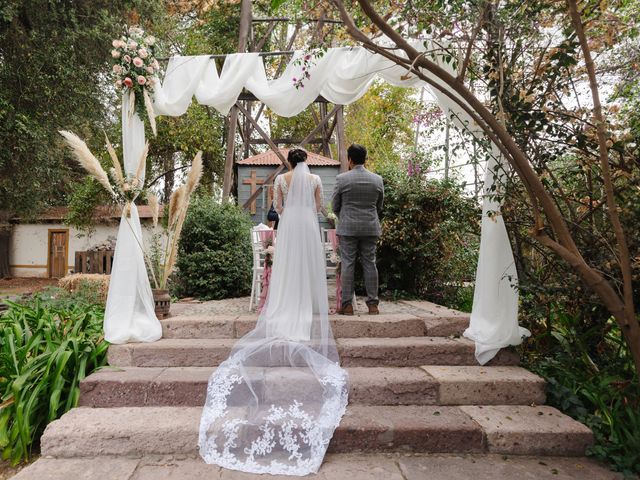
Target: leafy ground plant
{"points": [[47, 346], [591, 378]]}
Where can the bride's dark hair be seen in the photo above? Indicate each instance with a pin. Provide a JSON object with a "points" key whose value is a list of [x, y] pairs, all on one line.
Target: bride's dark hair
{"points": [[295, 156]]}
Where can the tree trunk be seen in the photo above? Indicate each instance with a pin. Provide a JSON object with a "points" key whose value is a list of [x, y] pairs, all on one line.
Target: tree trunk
{"points": [[542, 200], [5, 241], [169, 179]]}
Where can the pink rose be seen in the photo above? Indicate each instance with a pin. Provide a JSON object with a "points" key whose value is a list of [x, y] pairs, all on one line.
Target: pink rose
{"points": [[122, 44], [117, 69], [142, 53], [115, 43], [156, 65], [115, 53], [128, 82], [127, 58], [138, 62], [151, 82], [141, 80], [132, 45], [119, 83], [150, 70]]}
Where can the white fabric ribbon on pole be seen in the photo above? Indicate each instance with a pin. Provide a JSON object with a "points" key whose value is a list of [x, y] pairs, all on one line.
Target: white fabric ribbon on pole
{"points": [[342, 76], [130, 311]]}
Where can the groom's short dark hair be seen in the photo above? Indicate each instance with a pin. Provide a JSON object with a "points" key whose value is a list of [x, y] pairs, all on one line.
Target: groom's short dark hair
{"points": [[357, 154]]}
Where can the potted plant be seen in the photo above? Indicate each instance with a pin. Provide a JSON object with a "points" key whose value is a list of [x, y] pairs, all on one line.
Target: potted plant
{"points": [[164, 251], [125, 189]]}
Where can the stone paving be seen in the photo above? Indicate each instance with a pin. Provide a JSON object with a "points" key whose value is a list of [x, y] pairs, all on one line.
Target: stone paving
{"points": [[415, 387], [335, 467]]}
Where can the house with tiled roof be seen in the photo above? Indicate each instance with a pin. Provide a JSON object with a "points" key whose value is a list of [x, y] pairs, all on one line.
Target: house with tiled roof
{"points": [[46, 246], [254, 171]]}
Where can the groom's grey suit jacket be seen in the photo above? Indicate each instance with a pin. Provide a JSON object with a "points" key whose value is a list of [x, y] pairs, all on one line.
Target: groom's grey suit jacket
{"points": [[357, 201]]}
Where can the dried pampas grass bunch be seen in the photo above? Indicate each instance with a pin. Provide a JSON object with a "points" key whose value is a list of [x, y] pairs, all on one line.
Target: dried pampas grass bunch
{"points": [[178, 206], [154, 205], [86, 159], [117, 168]]}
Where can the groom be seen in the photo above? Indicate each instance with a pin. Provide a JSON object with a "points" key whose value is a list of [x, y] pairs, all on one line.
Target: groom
{"points": [[357, 201]]}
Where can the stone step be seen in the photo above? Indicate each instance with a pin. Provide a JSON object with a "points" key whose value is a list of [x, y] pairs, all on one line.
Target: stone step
{"points": [[354, 352], [429, 385], [383, 325], [140, 431], [335, 467]]}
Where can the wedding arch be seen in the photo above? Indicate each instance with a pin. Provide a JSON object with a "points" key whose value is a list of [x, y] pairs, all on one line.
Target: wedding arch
{"points": [[342, 76]]}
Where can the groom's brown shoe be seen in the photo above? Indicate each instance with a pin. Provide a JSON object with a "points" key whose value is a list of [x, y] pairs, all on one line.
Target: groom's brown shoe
{"points": [[346, 310], [373, 309]]}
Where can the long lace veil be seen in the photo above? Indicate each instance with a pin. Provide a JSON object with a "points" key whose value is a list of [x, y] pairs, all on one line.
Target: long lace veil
{"points": [[273, 405]]}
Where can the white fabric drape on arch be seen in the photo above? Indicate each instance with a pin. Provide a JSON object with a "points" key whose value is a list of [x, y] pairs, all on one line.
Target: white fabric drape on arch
{"points": [[130, 312], [342, 76]]}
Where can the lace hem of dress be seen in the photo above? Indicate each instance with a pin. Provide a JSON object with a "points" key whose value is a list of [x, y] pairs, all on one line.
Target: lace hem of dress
{"points": [[281, 426]]}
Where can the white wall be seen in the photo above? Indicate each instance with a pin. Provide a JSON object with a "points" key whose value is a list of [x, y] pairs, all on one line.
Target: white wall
{"points": [[30, 244]]}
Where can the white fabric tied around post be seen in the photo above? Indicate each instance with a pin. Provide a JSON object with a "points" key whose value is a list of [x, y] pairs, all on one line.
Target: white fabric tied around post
{"points": [[342, 76], [130, 311]]}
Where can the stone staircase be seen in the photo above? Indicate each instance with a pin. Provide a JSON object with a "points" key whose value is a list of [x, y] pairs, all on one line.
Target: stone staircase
{"points": [[415, 390]]}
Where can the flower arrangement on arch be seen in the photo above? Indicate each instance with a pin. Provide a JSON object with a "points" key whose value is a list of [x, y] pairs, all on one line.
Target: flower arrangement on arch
{"points": [[135, 68]]}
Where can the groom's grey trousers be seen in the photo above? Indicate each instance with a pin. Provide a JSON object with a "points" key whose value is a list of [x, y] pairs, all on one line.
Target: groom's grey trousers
{"points": [[357, 200], [349, 248]]}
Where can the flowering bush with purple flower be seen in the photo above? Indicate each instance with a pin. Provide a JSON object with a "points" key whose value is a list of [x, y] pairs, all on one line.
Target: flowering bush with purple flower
{"points": [[307, 61]]}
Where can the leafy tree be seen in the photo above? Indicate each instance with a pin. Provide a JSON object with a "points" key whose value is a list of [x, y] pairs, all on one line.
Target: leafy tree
{"points": [[382, 121], [483, 42], [52, 55]]}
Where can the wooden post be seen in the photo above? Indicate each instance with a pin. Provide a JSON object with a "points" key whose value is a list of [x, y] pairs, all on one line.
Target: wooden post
{"points": [[231, 144], [325, 143], [342, 147], [245, 27]]}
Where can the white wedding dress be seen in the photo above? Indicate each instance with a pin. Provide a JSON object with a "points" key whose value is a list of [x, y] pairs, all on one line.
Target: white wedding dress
{"points": [[273, 405]]}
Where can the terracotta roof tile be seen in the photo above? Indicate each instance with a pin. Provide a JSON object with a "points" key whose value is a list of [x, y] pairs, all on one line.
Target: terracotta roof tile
{"points": [[102, 212], [270, 158]]}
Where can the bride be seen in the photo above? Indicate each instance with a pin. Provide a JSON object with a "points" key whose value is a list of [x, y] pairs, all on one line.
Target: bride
{"points": [[273, 405]]}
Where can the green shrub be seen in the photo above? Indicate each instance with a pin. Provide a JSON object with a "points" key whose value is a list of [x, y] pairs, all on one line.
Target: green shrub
{"points": [[214, 258], [429, 243], [46, 349], [591, 377]]}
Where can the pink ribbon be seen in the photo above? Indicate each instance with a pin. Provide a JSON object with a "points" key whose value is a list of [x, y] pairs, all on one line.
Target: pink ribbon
{"points": [[335, 242], [266, 279]]}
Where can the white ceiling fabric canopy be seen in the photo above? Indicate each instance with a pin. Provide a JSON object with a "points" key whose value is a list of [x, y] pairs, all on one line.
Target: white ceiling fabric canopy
{"points": [[342, 76]]}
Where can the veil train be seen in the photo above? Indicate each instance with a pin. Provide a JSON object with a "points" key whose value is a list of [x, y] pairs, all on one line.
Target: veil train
{"points": [[273, 405]]}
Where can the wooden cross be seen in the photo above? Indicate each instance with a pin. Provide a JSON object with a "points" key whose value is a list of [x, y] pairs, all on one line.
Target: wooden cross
{"points": [[254, 181]]}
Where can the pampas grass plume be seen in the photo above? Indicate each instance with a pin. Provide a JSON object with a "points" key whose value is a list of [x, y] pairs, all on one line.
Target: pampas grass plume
{"points": [[142, 164], [116, 163], [194, 174], [87, 160], [154, 204]]}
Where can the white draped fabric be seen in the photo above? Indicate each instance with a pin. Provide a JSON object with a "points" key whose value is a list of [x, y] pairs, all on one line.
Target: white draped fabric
{"points": [[130, 311], [342, 76], [494, 317]]}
